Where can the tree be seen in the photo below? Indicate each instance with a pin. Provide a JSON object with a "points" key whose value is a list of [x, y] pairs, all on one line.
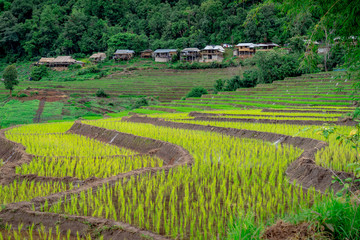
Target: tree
{"points": [[10, 78]]}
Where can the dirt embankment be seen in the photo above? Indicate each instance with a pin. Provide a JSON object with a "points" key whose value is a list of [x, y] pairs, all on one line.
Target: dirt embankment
{"points": [[295, 122], [200, 114], [17, 213], [303, 170]]}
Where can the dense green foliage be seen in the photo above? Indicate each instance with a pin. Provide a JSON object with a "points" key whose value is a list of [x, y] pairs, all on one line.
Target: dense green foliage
{"points": [[196, 92], [37, 73], [47, 28], [10, 76], [101, 93]]}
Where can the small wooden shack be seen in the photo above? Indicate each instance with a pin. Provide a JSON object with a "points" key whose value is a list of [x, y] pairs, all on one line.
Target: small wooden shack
{"points": [[98, 57], [164, 55], [212, 53], [124, 54], [190, 55], [264, 47], [245, 50], [148, 53]]}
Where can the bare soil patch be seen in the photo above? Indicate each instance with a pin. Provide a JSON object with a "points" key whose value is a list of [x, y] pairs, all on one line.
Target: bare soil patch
{"points": [[286, 231]]}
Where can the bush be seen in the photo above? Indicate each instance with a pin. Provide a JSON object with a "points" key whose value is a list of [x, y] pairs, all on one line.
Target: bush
{"points": [[101, 93], [249, 80], [91, 69], [140, 102], [38, 72], [23, 95], [196, 92], [276, 65]]}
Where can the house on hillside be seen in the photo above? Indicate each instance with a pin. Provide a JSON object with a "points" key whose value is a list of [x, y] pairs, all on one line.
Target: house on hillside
{"points": [[45, 61], [264, 47], [98, 57], [190, 55], [245, 50], [59, 63], [164, 55], [212, 53], [148, 53], [124, 55]]}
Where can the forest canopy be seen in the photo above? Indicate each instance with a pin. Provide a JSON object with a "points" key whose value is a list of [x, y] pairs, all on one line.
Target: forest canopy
{"points": [[35, 28]]}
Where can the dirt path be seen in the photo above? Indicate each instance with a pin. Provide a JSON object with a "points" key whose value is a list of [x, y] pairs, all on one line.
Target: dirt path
{"points": [[39, 111]]}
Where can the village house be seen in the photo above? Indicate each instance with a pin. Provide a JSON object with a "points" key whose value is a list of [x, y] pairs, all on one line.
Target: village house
{"points": [[45, 61], [59, 63], [264, 47], [98, 57], [190, 55], [124, 54], [245, 50], [212, 53], [164, 55], [148, 53]]}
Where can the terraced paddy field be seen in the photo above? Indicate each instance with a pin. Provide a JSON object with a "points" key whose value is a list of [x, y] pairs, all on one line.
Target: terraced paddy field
{"points": [[316, 90], [195, 174], [164, 84]]}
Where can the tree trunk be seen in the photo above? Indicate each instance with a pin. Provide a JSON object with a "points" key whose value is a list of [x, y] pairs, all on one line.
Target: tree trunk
{"points": [[10, 92]]}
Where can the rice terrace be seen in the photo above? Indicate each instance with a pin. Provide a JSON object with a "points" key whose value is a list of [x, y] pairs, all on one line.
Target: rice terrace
{"points": [[209, 119]]}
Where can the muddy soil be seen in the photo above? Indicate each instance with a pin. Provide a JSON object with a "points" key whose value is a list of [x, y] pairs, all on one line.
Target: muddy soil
{"points": [[286, 231], [48, 95]]}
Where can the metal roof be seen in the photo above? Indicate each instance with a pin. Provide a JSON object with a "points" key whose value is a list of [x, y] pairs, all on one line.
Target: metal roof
{"points": [[123, 51], [214, 47], [165, 50], [190, 50]]}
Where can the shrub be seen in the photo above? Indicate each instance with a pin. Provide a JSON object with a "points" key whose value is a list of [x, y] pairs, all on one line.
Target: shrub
{"points": [[74, 66], [101, 93], [23, 95], [196, 92], [140, 102], [37, 73], [91, 69]]}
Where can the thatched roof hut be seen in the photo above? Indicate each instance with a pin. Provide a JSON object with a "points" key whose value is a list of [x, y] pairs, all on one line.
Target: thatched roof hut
{"points": [[45, 61], [148, 53], [98, 57]]}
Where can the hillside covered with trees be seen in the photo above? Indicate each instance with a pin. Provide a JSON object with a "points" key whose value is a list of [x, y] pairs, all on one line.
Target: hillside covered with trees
{"points": [[33, 28]]}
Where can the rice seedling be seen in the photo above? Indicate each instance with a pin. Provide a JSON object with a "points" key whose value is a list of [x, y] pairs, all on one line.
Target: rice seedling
{"points": [[66, 145], [26, 190], [230, 178], [86, 167], [8, 232]]}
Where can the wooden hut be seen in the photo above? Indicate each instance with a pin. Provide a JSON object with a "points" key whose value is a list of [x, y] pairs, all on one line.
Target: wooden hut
{"points": [[245, 50], [212, 53], [98, 57], [124, 54], [264, 47], [190, 55], [164, 55], [148, 53], [45, 61], [63, 62]]}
